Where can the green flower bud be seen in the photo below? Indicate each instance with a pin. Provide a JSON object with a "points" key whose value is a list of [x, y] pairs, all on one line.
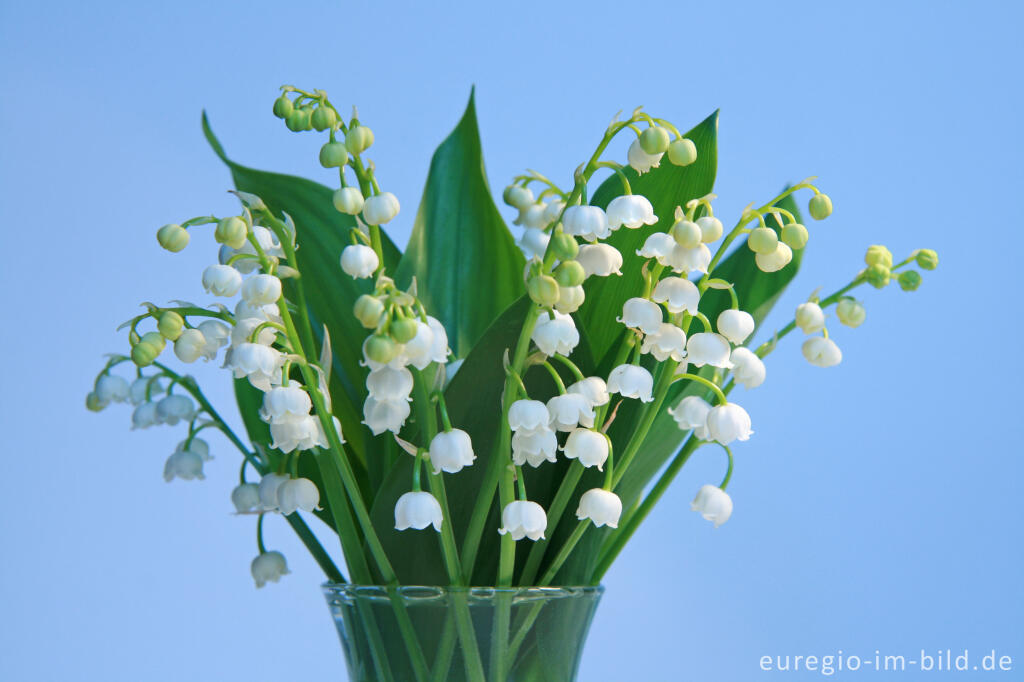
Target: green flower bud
{"points": [[517, 196], [368, 310], [878, 275], [93, 402], [173, 237], [909, 280], [283, 106], [403, 329], [143, 354], [655, 140], [359, 139], [927, 259], [878, 255], [231, 232], [687, 234], [323, 118], [850, 312], [170, 325], [298, 120], [155, 339], [682, 152], [380, 348], [820, 206], [794, 235], [763, 240], [333, 155], [543, 289], [564, 246], [570, 274]]}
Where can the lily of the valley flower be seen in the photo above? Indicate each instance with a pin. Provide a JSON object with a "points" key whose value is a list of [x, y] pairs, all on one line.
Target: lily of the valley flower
{"points": [[631, 381], [297, 433], [381, 208], [776, 260], [599, 260], [589, 447], [528, 415], [707, 348], [822, 352], [283, 403], [630, 210], [359, 261], [642, 314], [532, 216], [523, 519], [190, 345], [668, 342], [534, 242], [174, 408], [261, 290], [594, 389], [184, 464], [713, 503], [385, 415], [450, 451], [603, 507], [111, 388], [348, 200], [267, 490], [640, 160], [144, 416], [418, 510], [556, 335], [570, 299], [672, 255], [246, 498], [677, 294], [735, 325], [268, 567], [390, 383], [260, 364], [222, 280], [850, 312], [297, 493], [144, 389], [747, 368], [269, 311], [243, 329], [569, 411], [728, 423], [692, 413], [810, 317], [588, 222], [710, 228], [534, 447]]}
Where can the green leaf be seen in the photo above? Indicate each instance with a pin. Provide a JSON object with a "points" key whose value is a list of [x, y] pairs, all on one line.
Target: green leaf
{"points": [[466, 264]]}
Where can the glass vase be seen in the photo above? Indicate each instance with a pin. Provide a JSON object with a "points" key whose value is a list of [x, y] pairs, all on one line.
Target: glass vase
{"points": [[475, 634]]}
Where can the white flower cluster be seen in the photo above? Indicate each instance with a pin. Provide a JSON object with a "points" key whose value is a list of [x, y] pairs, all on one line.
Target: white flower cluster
{"points": [[276, 493], [820, 351]]}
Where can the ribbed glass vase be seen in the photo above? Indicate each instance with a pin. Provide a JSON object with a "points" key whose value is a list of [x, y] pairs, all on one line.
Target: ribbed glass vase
{"points": [[476, 634]]}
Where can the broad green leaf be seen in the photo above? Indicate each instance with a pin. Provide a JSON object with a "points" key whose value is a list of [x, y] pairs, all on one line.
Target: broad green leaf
{"points": [[466, 264]]}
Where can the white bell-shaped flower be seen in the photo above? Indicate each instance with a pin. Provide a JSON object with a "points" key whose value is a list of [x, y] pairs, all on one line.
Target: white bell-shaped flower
{"points": [[198, 446], [144, 416], [640, 160], [348, 200], [381, 208], [569, 411], [747, 368], [359, 261], [532, 216], [677, 294], [534, 242], [713, 503], [282, 403], [599, 260], [776, 260], [175, 408], [523, 519], [184, 464], [439, 350], [594, 389], [267, 490], [588, 222], [243, 330], [260, 290], [246, 498], [685, 261], [603, 507], [268, 567], [589, 447], [419, 351], [534, 447], [390, 383], [145, 389], [266, 312], [630, 210], [418, 510], [111, 388], [556, 335], [822, 352], [222, 280], [190, 345], [450, 451], [517, 196], [810, 317], [570, 299], [297, 433], [385, 415], [297, 493], [260, 364], [657, 245], [668, 342], [631, 381], [692, 413], [528, 415], [735, 325], [728, 423], [707, 348], [642, 314]]}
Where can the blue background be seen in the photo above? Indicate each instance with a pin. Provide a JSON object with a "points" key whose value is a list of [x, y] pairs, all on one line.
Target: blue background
{"points": [[877, 507]]}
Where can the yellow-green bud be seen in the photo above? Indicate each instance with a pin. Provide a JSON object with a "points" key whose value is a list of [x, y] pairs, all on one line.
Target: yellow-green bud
{"points": [[143, 354], [323, 118], [909, 280], [655, 140], [850, 312], [682, 152], [820, 206], [570, 274], [283, 106], [170, 325], [794, 235], [927, 259], [380, 348], [359, 139], [333, 155], [878, 275], [543, 289], [155, 339], [298, 120], [564, 246], [403, 329], [231, 232], [368, 310], [763, 240], [93, 402], [173, 237], [687, 234], [878, 255]]}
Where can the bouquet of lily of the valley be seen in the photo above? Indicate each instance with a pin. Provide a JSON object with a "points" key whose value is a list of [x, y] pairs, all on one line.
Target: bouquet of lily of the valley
{"points": [[477, 410]]}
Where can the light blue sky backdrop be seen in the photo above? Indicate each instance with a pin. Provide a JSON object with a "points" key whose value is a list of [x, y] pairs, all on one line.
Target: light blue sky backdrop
{"points": [[878, 505]]}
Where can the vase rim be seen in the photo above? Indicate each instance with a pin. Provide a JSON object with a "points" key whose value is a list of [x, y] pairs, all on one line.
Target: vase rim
{"points": [[433, 592]]}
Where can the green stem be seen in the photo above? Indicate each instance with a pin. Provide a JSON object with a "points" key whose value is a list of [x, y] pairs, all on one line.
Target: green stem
{"points": [[709, 384], [557, 508]]}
